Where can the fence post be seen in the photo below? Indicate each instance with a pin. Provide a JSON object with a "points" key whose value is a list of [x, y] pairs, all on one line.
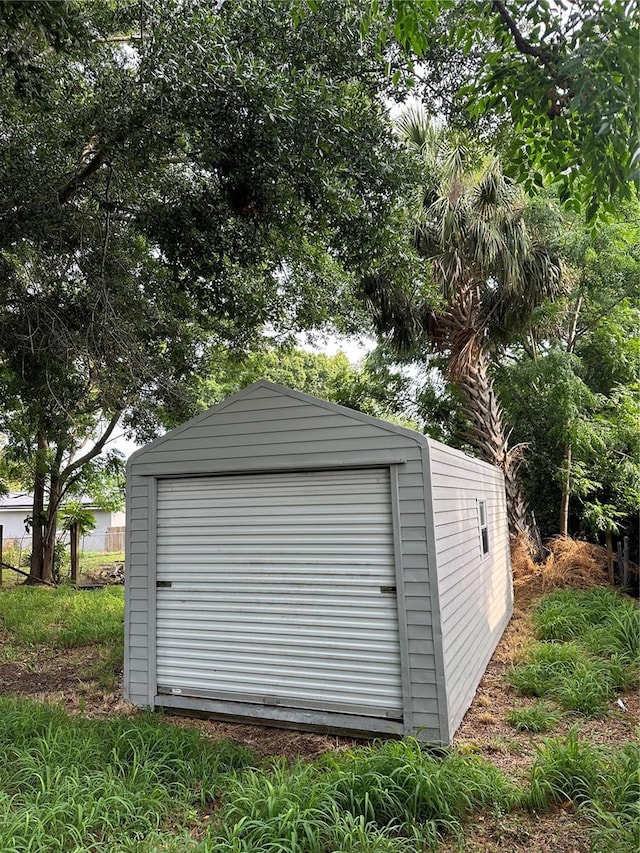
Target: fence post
{"points": [[625, 562], [75, 550], [1, 554], [609, 556]]}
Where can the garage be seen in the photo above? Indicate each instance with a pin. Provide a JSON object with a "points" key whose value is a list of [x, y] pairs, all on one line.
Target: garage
{"points": [[293, 562]]}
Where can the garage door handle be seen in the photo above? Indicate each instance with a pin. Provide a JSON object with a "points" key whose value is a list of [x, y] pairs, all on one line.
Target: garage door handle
{"points": [[392, 590], [163, 584]]}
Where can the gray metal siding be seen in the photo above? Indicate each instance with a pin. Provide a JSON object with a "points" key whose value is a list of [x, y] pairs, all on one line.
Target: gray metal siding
{"points": [[267, 428], [136, 625], [475, 592]]}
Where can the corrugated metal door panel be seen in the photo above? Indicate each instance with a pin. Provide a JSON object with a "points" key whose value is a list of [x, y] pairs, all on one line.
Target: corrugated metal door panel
{"points": [[281, 590]]}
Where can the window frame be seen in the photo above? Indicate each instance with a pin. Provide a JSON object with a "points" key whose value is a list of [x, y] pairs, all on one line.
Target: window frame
{"points": [[483, 527]]}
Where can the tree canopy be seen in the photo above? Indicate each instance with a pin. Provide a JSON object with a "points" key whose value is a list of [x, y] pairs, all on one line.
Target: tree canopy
{"points": [[490, 271], [561, 76], [175, 178]]}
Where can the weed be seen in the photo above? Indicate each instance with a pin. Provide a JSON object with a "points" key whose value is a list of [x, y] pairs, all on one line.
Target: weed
{"points": [[543, 665], [106, 669], [604, 784], [487, 718], [608, 622], [397, 783], [537, 718], [75, 784], [566, 769], [389, 797]]}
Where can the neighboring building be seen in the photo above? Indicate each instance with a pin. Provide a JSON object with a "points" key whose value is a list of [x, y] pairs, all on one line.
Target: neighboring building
{"points": [[295, 562], [17, 507]]}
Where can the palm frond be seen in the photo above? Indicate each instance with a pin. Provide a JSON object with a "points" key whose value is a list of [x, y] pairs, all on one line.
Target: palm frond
{"points": [[416, 129], [395, 313]]}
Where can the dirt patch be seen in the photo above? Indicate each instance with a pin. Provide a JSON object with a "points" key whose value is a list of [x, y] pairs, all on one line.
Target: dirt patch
{"points": [[268, 740], [35, 673], [558, 832], [15, 679]]}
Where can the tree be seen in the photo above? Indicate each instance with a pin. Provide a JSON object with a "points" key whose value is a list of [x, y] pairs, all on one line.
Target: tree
{"points": [[570, 387], [561, 76], [373, 387], [490, 273], [176, 177]]}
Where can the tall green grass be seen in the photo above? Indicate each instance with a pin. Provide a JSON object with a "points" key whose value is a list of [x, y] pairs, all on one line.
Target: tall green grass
{"points": [[69, 784], [589, 650], [392, 795], [63, 617], [604, 783], [538, 718], [603, 620], [142, 785]]}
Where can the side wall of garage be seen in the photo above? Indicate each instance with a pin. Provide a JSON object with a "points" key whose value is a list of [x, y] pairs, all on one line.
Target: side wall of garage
{"points": [[471, 552], [266, 429]]}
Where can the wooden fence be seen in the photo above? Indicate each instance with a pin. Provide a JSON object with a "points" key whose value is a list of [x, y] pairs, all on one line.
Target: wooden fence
{"points": [[114, 539]]}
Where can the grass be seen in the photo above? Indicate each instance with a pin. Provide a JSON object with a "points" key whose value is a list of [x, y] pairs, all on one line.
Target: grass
{"points": [[79, 784], [142, 785], [62, 618], [70, 784], [603, 783], [91, 561], [536, 719], [588, 649]]}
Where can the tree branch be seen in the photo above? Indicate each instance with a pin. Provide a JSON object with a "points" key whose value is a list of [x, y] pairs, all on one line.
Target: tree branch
{"points": [[71, 187], [545, 57], [94, 451]]}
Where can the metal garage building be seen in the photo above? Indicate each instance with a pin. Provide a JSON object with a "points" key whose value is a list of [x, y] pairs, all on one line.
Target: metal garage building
{"points": [[296, 562]]}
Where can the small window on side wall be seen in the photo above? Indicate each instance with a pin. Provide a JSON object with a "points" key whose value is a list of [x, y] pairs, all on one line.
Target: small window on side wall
{"points": [[484, 528]]}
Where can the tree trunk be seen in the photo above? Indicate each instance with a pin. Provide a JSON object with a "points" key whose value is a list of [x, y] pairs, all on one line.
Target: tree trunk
{"points": [[75, 551], [488, 435], [37, 537], [609, 544], [564, 500], [50, 531], [469, 370]]}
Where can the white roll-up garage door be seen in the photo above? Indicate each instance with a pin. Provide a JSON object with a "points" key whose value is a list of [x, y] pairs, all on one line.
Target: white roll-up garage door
{"points": [[279, 589]]}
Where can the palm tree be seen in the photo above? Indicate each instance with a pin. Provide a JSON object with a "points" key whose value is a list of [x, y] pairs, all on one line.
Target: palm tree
{"points": [[490, 274]]}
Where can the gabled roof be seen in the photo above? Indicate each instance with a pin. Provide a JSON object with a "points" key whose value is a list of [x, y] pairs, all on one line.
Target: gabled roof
{"points": [[262, 384]]}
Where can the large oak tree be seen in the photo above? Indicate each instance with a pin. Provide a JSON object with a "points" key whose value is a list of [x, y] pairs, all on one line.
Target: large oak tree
{"points": [[176, 176]]}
